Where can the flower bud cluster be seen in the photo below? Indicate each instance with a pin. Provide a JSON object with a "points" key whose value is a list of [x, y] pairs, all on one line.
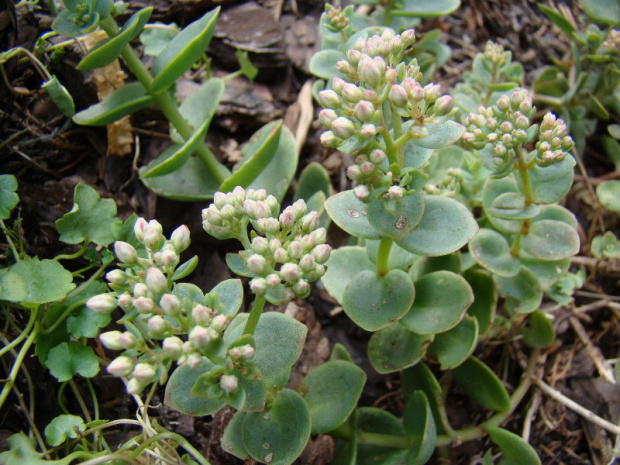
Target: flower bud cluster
{"points": [[450, 185], [335, 19], [495, 54], [611, 44], [286, 251], [504, 125], [553, 141]]}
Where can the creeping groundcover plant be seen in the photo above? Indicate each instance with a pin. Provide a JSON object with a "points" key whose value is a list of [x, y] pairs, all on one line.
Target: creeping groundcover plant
{"points": [[455, 235]]}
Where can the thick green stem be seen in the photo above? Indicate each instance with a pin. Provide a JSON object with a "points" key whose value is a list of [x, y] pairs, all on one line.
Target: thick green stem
{"points": [[397, 125], [165, 103], [528, 194], [383, 256], [257, 310]]}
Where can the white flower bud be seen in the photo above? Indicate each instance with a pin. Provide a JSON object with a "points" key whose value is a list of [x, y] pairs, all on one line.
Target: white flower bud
{"points": [[170, 304], [327, 116], [127, 340], [408, 37], [431, 92], [200, 336], [156, 281], [343, 127], [219, 200], [144, 305], [157, 325], [319, 236], [329, 139], [260, 245], [309, 222], [219, 323], [268, 225], [256, 264], [180, 238], [294, 249], [135, 386], [290, 272], [140, 290], [201, 315], [194, 360], [329, 99], [120, 366], [116, 277], [364, 110], [125, 301], [258, 286], [281, 256], [228, 383], [306, 263], [301, 289], [321, 253], [352, 93], [287, 218], [102, 303], [111, 340], [143, 372], [173, 346], [139, 228], [398, 96], [272, 280], [361, 192], [125, 252], [153, 237], [443, 105]]}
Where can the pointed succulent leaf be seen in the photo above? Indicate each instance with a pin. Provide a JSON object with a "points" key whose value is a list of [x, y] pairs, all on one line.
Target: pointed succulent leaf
{"points": [[279, 434], [417, 9], [420, 427], [279, 341], [399, 221], [453, 347], [108, 50], [558, 19], [395, 348], [350, 214], [331, 391], [515, 451], [185, 269], [90, 220], [313, 178], [419, 377], [482, 385], [551, 240], [340, 352], [446, 226], [491, 251], [374, 302], [442, 298], [8, 197], [178, 391], [122, 102], [538, 331], [183, 51], [60, 96]]}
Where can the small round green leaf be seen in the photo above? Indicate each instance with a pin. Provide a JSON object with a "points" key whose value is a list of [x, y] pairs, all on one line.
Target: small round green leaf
{"points": [[491, 190], [441, 135], [538, 331], [395, 348], [446, 226], [511, 206], [35, 281], [485, 298], [279, 341], [550, 184], [179, 387], [231, 294], [8, 197], [482, 385], [64, 427], [404, 216], [331, 391], [279, 434], [454, 346], [108, 50], [491, 251], [608, 193], [374, 420], [323, 63], [122, 102], [71, 358], [515, 451], [374, 302], [183, 51], [343, 264], [420, 427], [442, 298], [350, 214], [312, 179], [418, 9], [232, 439], [523, 291], [602, 11], [551, 240]]}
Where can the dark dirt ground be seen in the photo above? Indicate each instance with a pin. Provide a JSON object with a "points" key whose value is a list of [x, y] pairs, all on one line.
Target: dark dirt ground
{"points": [[49, 156]]}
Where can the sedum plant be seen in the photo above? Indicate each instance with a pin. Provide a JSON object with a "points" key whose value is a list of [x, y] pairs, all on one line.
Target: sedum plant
{"points": [[188, 169], [426, 273]]}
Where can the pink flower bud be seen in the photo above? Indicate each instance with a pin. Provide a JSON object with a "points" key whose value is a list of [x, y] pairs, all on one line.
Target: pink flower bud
{"points": [[326, 116], [180, 238], [306, 263], [329, 99], [353, 56], [157, 325], [228, 383], [354, 172], [200, 336], [294, 249], [125, 301], [287, 218], [258, 286], [371, 72], [321, 253], [120, 366], [268, 225], [319, 236], [364, 110], [201, 315], [443, 105], [272, 280], [301, 289], [260, 245], [391, 76], [309, 222], [431, 92], [290, 272], [408, 37], [156, 281], [352, 93], [144, 305], [219, 323], [111, 340], [116, 277], [377, 157], [143, 372], [343, 127], [367, 131], [170, 304], [125, 252], [127, 340], [361, 192], [102, 304], [256, 264], [139, 228], [172, 346]]}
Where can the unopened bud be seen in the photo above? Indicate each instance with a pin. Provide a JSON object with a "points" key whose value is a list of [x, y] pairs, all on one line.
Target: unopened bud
{"points": [[256, 264], [219, 323], [228, 383], [125, 301], [309, 222], [319, 236], [321, 253], [120, 366], [201, 315], [443, 105], [157, 325], [352, 93], [258, 286], [329, 99], [116, 277], [153, 237], [301, 289], [172, 346], [111, 340], [156, 281], [143, 372], [408, 37], [170, 304], [140, 290], [367, 131], [432, 92], [281, 256], [139, 228], [180, 238], [343, 127], [102, 303], [398, 96], [200, 336], [290, 272], [329, 139], [327, 116], [135, 386], [144, 305], [294, 250], [125, 252], [272, 280], [364, 110], [127, 340], [353, 56], [361, 192]]}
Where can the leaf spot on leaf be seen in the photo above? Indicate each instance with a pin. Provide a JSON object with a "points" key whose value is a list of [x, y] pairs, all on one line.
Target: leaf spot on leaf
{"points": [[267, 416], [266, 446], [353, 213], [268, 458], [364, 210], [401, 223]]}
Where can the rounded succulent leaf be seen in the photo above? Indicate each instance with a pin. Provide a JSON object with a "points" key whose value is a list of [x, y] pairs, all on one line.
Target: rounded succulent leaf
{"points": [[485, 298], [442, 298], [511, 206], [374, 302], [515, 451], [453, 347], [277, 435], [491, 251], [350, 214], [482, 385], [446, 226], [538, 331], [608, 193], [491, 190], [523, 291], [343, 264], [396, 224], [420, 427], [551, 240], [178, 391], [395, 348], [232, 439]]}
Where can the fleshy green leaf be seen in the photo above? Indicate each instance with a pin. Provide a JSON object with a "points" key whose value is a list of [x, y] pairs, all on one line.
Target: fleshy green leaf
{"points": [[350, 214], [374, 420], [22, 451], [608, 193], [122, 102], [523, 291], [395, 348], [71, 358], [279, 434], [35, 282], [453, 347], [185, 269], [491, 190], [420, 427], [8, 197], [60, 96], [491, 251], [558, 19], [511, 206], [420, 377], [155, 40], [323, 63], [108, 50], [441, 135], [331, 392], [183, 51], [424, 9], [446, 226], [399, 219], [179, 388], [374, 302], [482, 385], [551, 240], [90, 220], [539, 331], [442, 298], [231, 294], [602, 11], [279, 341], [343, 264], [64, 427], [232, 440], [515, 451]]}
